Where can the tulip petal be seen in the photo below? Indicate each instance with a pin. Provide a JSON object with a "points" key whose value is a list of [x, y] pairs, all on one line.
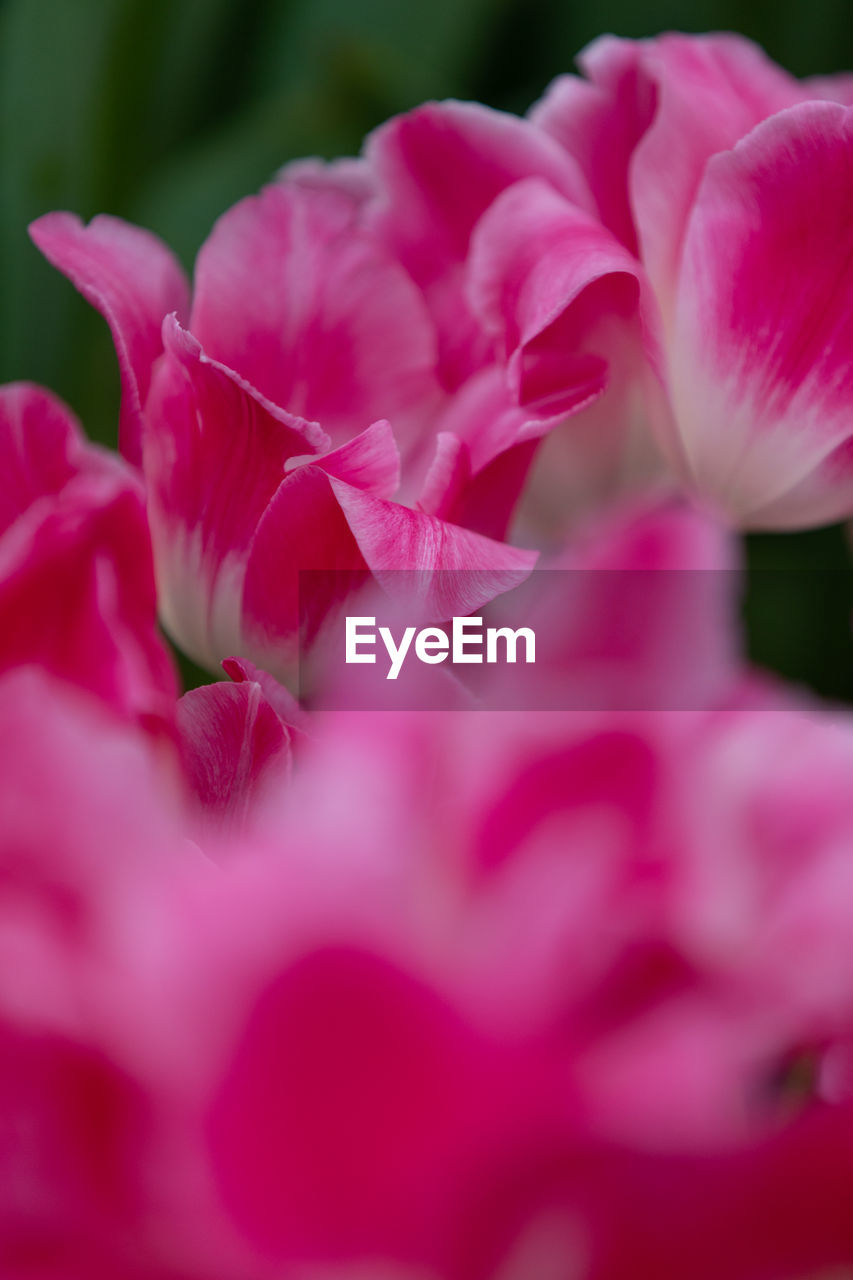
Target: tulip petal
{"points": [[447, 477], [280, 699], [438, 168], [370, 461], [41, 449], [303, 530], [214, 456], [711, 91], [130, 276], [654, 114], [762, 371], [543, 276], [600, 122], [77, 596], [235, 749], [312, 311], [392, 539]]}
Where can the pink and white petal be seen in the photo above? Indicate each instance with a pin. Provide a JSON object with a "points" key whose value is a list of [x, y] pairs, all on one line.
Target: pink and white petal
{"points": [[543, 276], [762, 375], [130, 276], [370, 461], [42, 448], [215, 454], [824, 496], [280, 699], [437, 169], [235, 751], [304, 560], [444, 569], [710, 91], [310, 309]]}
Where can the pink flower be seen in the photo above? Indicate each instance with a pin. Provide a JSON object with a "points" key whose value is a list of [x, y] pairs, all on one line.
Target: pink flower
{"points": [[263, 424], [719, 246], [76, 578]]}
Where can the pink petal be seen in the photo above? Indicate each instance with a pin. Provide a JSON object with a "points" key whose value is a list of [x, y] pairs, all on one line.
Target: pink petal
{"points": [[447, 477], [235, 750], [542, 277], [356, 1086], [497, 440], [215, 454], [392, 538], [311, 311], [370, 461], [303, 529], [711, 91], [77, 596], [653, 115], [348, 175], [600, 122], [280, 699], [437, 169], [761, 355], [134, 281], [837, 88], [41, 448]]}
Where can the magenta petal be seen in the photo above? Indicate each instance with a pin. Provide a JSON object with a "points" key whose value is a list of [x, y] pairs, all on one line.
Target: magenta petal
{"points": [[215, 454], [447, 477], [235, 749], [440, 168], [600, 122], [280, 699], [370, 461], [437, 169], [312, 311], [77, 596], [393, 538], [134, 281], [762, 356], [41, 448], [305, 529], [542, 276]]}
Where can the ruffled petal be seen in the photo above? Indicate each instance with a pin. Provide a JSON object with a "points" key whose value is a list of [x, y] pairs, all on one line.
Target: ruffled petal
{"points": [[130, 276], [437, 169]]}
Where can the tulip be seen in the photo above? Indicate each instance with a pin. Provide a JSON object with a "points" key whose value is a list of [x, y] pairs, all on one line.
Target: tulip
{"points": [[710, 274], [262, 418]]}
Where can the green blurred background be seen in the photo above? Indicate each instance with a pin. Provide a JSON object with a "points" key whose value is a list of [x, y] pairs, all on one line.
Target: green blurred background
{"points": [[167, 111]]}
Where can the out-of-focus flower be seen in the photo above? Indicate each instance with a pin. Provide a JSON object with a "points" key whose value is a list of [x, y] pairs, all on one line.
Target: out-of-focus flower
{"points": [[77, 592], [77, 599], [719, 244]]}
